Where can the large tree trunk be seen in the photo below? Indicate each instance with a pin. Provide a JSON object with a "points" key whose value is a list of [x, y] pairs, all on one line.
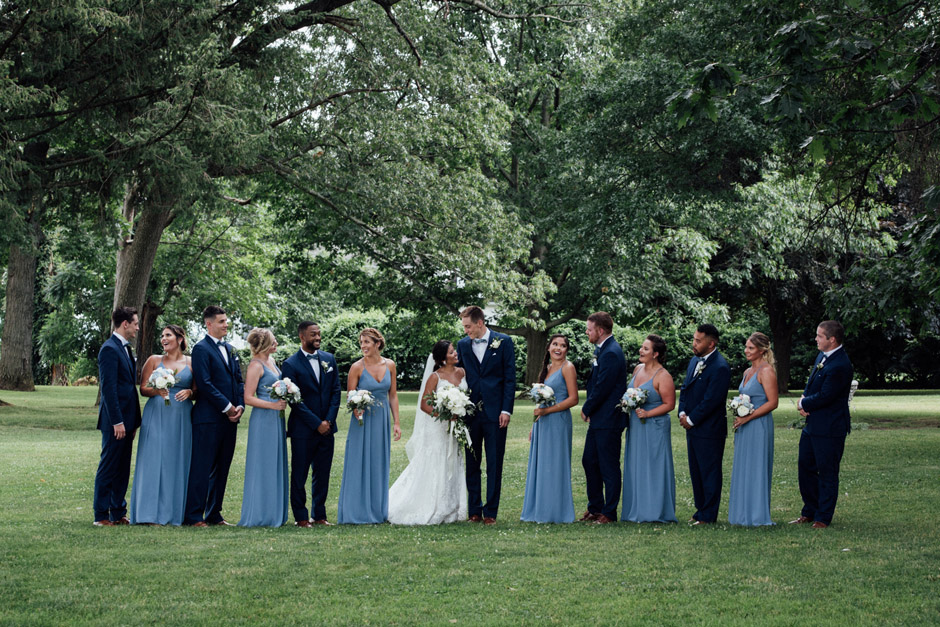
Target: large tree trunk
{"points": [[147, 214], [781, 328], [16, 350], [16, 345], [147, 332], [536, 345]]}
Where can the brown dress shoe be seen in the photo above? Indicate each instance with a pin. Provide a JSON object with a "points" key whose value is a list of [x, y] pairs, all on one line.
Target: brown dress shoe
{"points": [[801, 520], [123, 521], [201, 523], [303, 523], [819, 525], [603, 520], [699, 522], [222, 523], [587, 517], [323, 521], [104, 523], [489, 521], [475, 518]]}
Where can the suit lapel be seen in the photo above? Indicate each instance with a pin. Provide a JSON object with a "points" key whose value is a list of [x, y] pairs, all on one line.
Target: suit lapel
{"points": [[313, 374], [127, 358], [486, 352], [471, 361]]}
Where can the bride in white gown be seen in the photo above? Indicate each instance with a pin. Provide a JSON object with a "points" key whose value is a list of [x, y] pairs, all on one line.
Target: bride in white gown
{"points": [[432, 489]]}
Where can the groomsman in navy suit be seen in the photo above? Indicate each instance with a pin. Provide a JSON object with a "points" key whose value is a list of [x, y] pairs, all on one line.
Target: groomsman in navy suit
{"points": [[825, 406], [605, 387], [118, 419], [702, 415], [219, 406], [489, 360], [312, 424]]}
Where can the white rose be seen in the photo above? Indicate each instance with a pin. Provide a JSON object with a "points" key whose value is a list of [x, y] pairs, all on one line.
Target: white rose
{"points": [[743, 411], [161, 382], [355, 399]]}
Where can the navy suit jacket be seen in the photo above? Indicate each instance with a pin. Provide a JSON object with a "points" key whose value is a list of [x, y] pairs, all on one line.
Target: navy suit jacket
{"points": [[217, 383], [826, 396], [117, 378], [605, 387], [319, 400], [494, 379], [704, 398]]}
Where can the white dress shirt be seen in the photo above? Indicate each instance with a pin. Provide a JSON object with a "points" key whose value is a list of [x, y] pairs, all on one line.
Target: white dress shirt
{"points": [[479, 348], [314, 363]]}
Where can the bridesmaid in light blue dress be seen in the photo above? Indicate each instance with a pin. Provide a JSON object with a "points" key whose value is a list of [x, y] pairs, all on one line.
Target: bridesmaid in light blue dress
{"points": [[363, 494], [166, 435], [649, 479], [265, 499], [749, 502], [548, 497]]}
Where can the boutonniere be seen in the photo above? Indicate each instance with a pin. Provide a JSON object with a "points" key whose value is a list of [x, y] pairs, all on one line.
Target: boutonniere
{"points": [[699, 367], [325, 366], [821, 364], [594, 363], [495, 343]]}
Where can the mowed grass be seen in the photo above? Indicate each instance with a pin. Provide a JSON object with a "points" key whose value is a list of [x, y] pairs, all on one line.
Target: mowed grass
{"points": [[879, 563]]}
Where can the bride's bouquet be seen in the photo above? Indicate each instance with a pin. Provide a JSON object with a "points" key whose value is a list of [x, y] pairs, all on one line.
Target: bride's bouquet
{"points": [[542, 395], [634, 397], [162, 379], [284, 390], [452, 405], [359, 400]]}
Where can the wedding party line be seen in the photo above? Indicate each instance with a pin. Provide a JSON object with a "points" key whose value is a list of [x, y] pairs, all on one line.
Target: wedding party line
{"points": [[187, 431]]}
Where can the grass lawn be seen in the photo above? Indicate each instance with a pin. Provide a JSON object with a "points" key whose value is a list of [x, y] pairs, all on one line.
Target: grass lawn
{"points": [[879, 563]]}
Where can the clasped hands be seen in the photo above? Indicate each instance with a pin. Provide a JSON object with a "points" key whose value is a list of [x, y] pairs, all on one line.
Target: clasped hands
{"points": [[799, 407], [684, 421], [235, 413]]}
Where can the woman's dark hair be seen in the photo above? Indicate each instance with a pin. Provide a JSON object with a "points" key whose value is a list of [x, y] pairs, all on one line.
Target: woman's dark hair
{"points": [[177, 330], [659, 346], [439, 353], [548, 356]]}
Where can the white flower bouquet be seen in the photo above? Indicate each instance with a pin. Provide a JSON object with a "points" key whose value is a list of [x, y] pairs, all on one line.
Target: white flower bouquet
{"points": [[452, 405], [542, 395], [741, 406], [162, 379], [634, 397], [284, 390], [359, 400]]}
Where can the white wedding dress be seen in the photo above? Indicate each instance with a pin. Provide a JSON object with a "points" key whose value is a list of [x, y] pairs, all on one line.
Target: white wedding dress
{"points": [[433, 488]]}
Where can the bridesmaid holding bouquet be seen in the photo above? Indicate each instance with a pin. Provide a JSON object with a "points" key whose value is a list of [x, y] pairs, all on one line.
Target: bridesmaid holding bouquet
{"points": [[363, 494], [164, 447], [266, 481]]}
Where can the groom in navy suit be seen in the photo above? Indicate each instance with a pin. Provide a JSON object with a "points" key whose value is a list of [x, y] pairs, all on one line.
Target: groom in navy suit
{"points": [[219, 406], [489, 360], [118, 418], [702, 415], [605, 387], [312, 424], [825, 406]]}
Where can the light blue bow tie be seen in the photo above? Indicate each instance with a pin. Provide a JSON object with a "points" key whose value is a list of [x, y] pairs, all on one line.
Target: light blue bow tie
{"points": [[480, 341]]}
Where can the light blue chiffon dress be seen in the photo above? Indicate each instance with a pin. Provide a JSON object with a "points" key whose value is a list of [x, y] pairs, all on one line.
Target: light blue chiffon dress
{"points": [[363, 494], [649, 478], [265, 499], [164, 450], [548, 497], [749, 501]]}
